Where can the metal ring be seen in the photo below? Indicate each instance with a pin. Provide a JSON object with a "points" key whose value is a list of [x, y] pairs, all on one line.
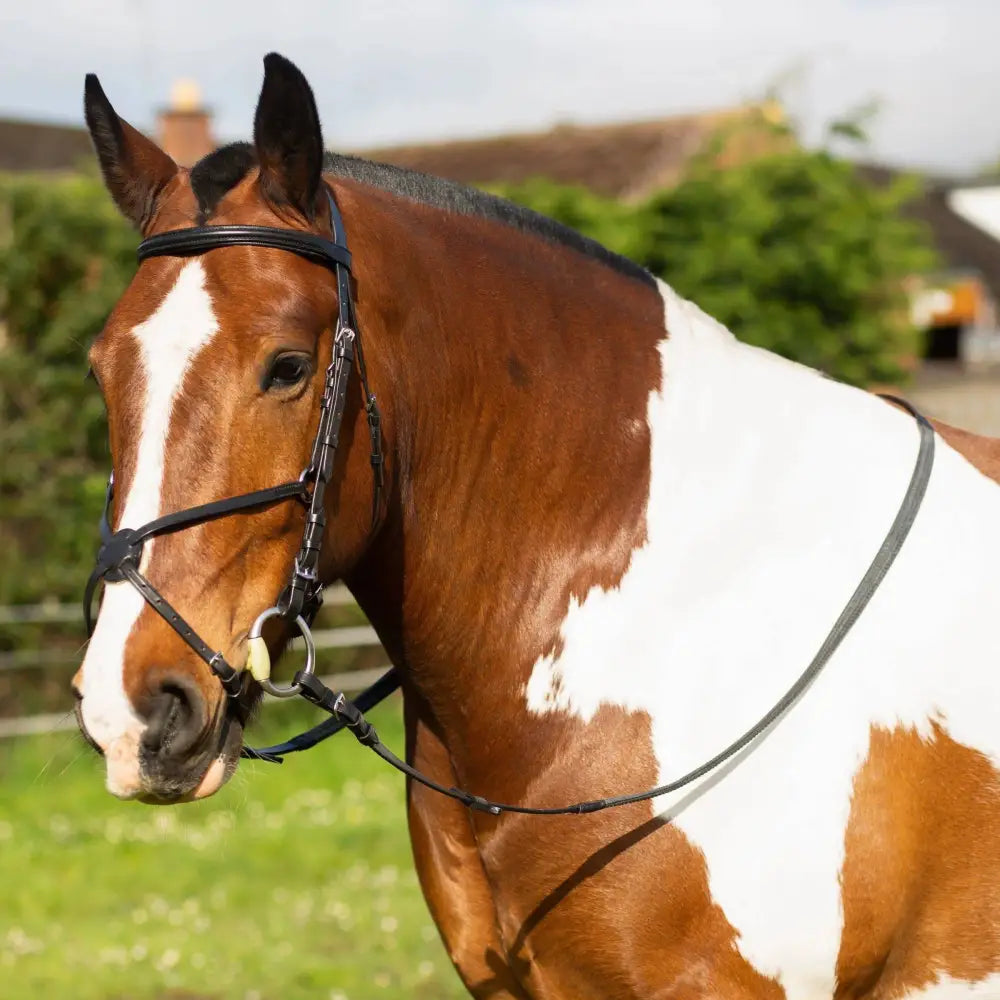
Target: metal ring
{"points": [[285, 690]]}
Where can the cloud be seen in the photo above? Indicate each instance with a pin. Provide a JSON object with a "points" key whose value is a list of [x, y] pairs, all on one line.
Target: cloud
{"points": [[391, 71]]}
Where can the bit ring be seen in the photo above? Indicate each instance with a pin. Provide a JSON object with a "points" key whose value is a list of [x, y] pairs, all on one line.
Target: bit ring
{"points": [[285, 690]]}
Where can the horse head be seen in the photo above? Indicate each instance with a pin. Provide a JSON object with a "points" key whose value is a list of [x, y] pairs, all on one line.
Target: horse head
{"points": [[213, 368]]}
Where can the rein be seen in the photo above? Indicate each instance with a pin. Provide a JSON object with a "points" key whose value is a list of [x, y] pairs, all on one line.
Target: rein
{"points": [[121, 551]]}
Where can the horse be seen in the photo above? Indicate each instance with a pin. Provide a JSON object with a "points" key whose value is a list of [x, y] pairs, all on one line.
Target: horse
{"points": [[605, 537]]}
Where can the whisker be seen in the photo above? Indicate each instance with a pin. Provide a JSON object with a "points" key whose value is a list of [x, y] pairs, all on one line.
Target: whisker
{"points": [[65, 737]]}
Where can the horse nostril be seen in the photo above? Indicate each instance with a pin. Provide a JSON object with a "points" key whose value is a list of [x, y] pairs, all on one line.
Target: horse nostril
{"points": [[175, 717]]}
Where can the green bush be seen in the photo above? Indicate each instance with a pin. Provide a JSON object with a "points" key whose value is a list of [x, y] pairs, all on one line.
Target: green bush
{"points": [[794, 252], [66, 257]]}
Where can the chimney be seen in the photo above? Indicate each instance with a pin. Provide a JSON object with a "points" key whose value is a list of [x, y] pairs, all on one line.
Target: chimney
{"points": [[185, 127]]}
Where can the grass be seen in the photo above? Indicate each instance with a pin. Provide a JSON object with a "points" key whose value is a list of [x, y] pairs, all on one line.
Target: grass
{"points": [[293, 882]]}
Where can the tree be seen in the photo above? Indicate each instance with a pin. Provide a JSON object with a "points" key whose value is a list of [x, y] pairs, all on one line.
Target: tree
{"points": [[66, 257]]}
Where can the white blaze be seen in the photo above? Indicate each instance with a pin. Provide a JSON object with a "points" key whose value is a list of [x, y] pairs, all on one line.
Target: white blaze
{"points": [[167, 343]]}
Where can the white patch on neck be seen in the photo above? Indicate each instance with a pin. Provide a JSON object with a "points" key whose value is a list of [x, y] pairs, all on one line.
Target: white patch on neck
{"points": [[771, 489], [168, 342]]}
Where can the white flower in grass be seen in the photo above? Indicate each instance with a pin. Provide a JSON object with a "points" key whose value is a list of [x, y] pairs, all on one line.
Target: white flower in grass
{"points": [[388, 925], [168, 960], [139, 952], [222, 822], [198, 840], [302, 909], [19, 943], [424, 969], [60, 827], [337, 995]]}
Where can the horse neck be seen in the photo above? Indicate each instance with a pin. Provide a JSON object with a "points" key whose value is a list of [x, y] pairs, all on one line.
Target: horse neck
{"points": [[515, 374], [559, 429]]}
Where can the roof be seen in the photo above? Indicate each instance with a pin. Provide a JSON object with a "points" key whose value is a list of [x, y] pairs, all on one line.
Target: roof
{"points": [[621, 160], [627, 160], [32, 146], [962, 245]]}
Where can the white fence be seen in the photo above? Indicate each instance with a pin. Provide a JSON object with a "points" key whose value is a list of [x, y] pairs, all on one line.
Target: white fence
{"points": [[344, 637]]}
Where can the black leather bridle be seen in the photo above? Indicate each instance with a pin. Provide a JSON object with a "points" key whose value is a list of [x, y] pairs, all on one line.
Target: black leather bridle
{"points": [[120, 553], [119, 556]]}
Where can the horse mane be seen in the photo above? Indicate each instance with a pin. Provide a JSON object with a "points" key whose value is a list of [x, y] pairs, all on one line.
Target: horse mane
{"points": [[222, 169]]}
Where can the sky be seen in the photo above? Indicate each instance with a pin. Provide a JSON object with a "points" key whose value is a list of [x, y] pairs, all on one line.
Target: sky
{"points": [[388, 72]]}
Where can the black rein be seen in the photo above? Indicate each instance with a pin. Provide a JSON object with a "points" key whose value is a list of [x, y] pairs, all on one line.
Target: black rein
{"points": [[121, 551]]}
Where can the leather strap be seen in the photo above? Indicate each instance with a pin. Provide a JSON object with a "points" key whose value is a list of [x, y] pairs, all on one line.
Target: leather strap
{"points": [[231, 679], [200, 239], [364, 702], [221, 508]]}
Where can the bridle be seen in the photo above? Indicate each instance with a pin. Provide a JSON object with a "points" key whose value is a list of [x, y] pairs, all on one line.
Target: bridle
{"points": [[120, 553]]}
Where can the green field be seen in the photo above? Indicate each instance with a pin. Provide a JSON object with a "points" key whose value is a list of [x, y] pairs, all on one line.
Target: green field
{"points": [[293, 882]]}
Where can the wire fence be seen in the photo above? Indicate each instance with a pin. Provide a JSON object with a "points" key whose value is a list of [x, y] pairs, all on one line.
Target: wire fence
{"points": [[341, 637]]}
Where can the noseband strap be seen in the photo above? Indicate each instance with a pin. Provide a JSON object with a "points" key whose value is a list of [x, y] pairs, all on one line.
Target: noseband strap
{"points": [[120, 555]]}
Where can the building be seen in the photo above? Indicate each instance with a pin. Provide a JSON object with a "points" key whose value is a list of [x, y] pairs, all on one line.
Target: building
{"points": [[958, 306], [183, 129], [627, 160]]}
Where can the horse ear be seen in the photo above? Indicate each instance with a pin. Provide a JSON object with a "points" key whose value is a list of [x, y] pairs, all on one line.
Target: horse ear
{"points": [[288, 138], [135, 169]]}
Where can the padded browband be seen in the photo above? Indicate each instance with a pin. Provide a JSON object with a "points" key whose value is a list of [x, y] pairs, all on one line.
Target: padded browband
{"points": [[199, 239]]}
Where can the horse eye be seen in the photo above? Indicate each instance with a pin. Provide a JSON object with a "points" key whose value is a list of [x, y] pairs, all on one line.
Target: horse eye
{"points": [[287, 370]]}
